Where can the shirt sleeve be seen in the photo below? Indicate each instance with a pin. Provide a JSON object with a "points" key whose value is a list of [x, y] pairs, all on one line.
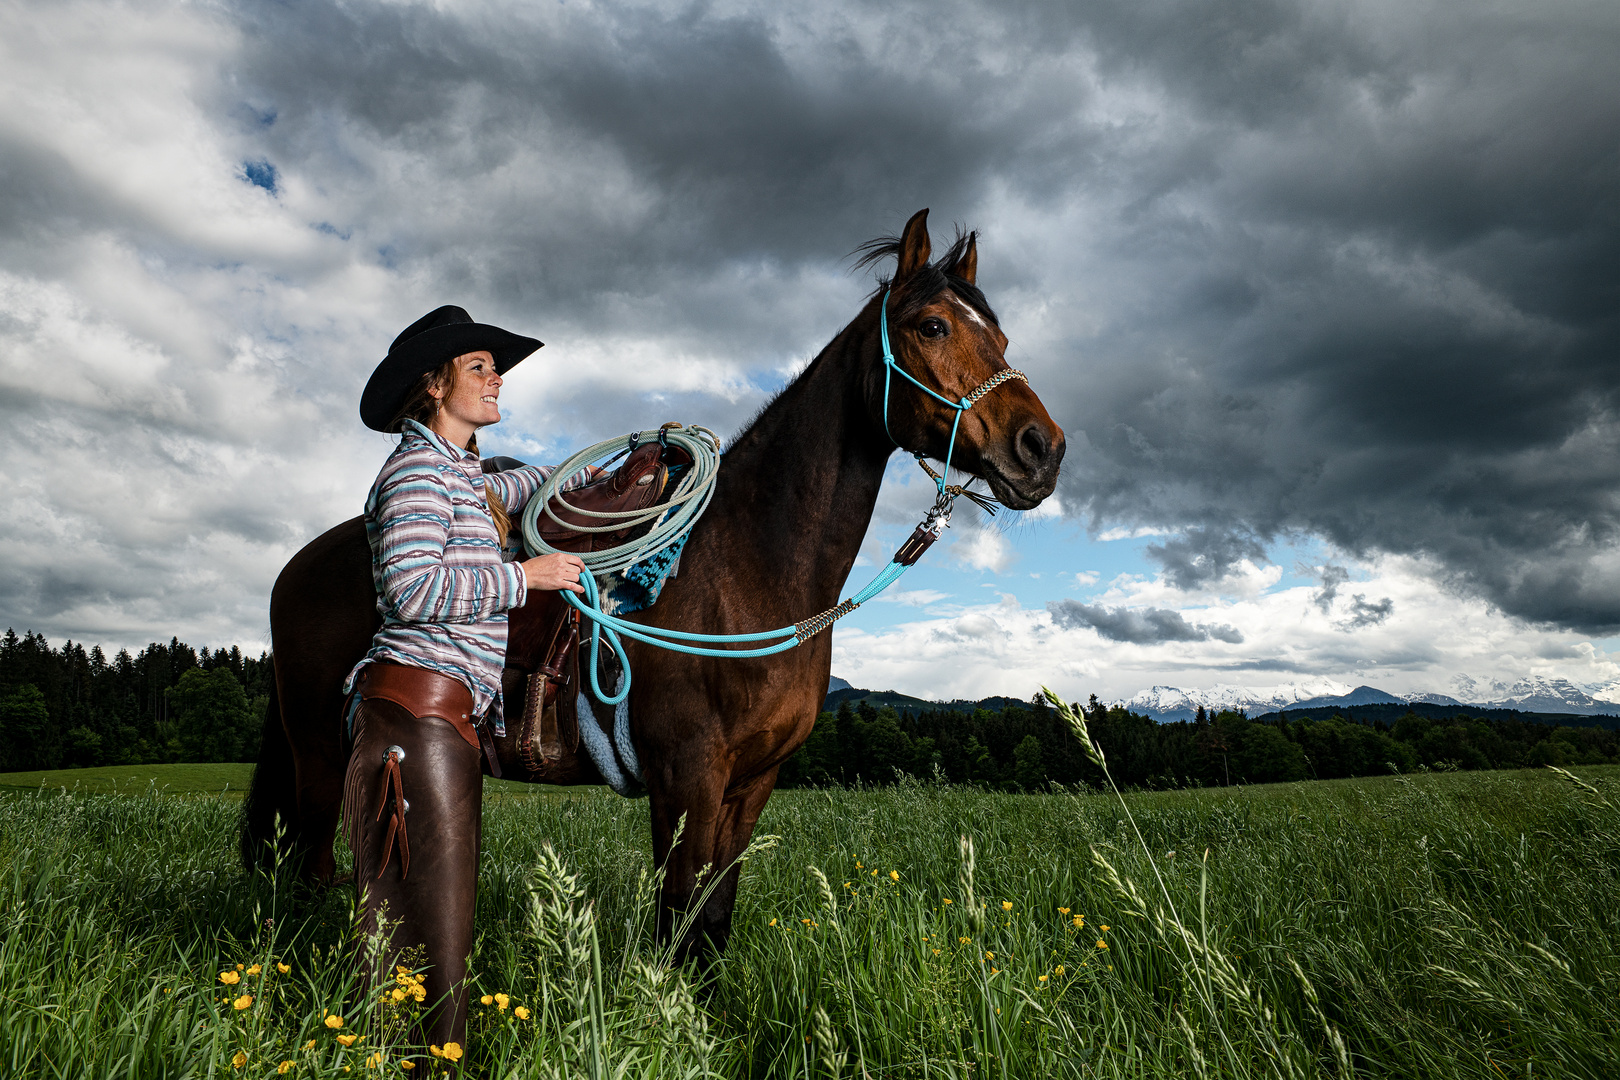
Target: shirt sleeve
{"points": [[414, 514], [517, 486]]}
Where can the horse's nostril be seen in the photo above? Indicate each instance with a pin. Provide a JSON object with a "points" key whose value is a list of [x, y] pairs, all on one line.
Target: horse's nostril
{"points": [[1032, 446]]}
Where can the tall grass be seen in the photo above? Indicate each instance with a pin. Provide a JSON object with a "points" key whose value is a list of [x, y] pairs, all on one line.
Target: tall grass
{"points": [[1446, 926]]}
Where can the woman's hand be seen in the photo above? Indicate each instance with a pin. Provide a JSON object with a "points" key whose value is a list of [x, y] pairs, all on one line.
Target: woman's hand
{"points": [[554, 572]]}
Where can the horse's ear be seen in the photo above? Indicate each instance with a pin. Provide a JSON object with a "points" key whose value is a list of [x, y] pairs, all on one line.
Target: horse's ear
{"points": [[914, 246], [967, 264]]}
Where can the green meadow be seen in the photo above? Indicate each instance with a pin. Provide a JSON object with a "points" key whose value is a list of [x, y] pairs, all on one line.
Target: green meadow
{"points": [[1435, 925]]}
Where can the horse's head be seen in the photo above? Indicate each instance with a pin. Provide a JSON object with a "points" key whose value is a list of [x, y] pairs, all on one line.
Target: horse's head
{"points": [[943, 333]]}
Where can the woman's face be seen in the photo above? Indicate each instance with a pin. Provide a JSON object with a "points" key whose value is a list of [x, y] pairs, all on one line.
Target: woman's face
{"points": [[473, 392]]}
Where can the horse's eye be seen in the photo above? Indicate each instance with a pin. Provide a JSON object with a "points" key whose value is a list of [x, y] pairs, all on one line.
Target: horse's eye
{"points": [[933, 328]]}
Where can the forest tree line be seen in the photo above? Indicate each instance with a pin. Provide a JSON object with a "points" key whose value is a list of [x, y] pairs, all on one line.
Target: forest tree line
{"points": [[1028, 747], [72, 707]]}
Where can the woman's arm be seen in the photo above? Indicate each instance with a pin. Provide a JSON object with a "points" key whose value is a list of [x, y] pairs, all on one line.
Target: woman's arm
{"points": [[517, 486]]}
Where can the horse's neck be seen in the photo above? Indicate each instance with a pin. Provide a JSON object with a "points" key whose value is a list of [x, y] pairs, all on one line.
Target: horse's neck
{"points": [[798, 488]]}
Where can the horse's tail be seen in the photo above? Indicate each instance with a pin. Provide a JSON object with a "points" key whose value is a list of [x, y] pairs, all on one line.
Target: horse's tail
{"points": [[274, 790]]}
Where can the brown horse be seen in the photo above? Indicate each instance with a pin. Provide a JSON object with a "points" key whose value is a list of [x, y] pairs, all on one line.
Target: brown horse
{"points": [[792, 502]]}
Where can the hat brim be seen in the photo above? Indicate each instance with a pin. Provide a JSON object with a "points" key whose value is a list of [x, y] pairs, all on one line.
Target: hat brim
{"points": [[395, 377]]}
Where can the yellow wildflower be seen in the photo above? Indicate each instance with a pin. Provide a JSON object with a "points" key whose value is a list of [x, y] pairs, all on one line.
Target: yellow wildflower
{"points": [[397, 994], [963, 940], [1006, 905], [521, 1012], [894, 875], [310, 1045], [418, 992], [1079, 921], [1058, 970], [407, 1064], [239, 967], [1043, 978], [284, 1068], [239, 1060], [283, 968], [1103, 928], [989, 956], [242, 1002], [434, 1050], [773, 922], [947, 899], [254, 970], [1063, 911], [334, 1021], [805, 921], [936, 952], [858, 864], [374, 1060], [1101, 944], [486, 1000], [347, 1040], [874, 871], [229, 978], [452, 1051], [501, 1001]]}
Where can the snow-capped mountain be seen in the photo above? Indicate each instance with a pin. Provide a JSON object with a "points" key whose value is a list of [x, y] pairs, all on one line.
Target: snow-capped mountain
{"points": [[1532, 694], [1175, 703], [1538, 694]]}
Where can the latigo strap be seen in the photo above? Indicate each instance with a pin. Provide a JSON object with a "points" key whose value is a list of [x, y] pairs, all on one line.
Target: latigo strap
{"points": [[392, 781]]}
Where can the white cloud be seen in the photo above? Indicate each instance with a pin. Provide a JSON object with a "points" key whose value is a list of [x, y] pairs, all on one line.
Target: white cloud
{"points": [[1427, 636]]}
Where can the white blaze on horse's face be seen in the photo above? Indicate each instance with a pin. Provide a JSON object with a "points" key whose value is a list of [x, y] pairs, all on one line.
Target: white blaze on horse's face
{"points": [[966, 311]]}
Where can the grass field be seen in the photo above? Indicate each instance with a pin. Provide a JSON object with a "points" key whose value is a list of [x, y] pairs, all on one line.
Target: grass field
{"points": [[228, 780], [1445, 925]]}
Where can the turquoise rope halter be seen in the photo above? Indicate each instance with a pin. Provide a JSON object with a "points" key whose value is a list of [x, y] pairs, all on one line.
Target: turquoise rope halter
{"points": [[692, 499]]}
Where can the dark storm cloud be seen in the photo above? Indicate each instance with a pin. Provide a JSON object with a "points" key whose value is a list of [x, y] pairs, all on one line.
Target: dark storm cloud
{"points": [[1332, 578], [1361, 262], [1365, 614], [1139, 626], [1280, 269], [1204, 555]]}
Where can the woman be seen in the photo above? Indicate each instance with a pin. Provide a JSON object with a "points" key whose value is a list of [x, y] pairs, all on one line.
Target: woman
{"points": [[432, 678]]}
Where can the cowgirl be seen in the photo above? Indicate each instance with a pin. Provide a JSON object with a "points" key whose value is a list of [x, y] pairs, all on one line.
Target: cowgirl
{"points": [[437, 526]]}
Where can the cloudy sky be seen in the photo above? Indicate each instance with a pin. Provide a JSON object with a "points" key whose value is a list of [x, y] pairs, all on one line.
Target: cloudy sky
{"points": [[1325, 296]]}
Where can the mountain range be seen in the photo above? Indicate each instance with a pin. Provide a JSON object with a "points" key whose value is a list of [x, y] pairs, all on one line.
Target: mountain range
{"points": [[1533, 694]]}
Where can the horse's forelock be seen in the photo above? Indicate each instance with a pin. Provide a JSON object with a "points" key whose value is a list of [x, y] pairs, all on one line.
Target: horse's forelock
{"points": [[920, 288]]}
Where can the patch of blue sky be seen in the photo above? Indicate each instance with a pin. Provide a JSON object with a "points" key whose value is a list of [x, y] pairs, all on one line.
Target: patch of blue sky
{"points": [[261, 174], [1047, 559]]}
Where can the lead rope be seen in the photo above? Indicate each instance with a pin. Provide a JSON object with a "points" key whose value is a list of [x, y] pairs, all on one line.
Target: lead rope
{"points": [[673, 519]]}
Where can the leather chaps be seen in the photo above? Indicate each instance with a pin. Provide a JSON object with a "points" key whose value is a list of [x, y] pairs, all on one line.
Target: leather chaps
{"points": [[412, 810]]}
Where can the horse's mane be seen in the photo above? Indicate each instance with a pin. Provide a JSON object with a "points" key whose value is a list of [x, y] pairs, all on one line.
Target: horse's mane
{"points": [[919, 289], [929, 281]]}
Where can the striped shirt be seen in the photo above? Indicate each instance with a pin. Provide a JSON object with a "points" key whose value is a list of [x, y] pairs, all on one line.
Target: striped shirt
{"points": [[442, 587]]}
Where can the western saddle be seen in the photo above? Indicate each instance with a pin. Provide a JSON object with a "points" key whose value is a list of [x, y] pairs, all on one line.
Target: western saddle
{"points": [[543, 635]]}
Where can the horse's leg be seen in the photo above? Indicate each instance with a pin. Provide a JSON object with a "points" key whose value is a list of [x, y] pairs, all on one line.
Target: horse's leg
{"points": [[273, 794], [696, 790], [739, 813], [314, 729], [718, 826], [431, 904]]}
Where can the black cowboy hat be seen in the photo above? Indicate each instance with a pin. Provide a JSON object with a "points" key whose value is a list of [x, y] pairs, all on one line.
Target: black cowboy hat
{"points": [[440, 335]]}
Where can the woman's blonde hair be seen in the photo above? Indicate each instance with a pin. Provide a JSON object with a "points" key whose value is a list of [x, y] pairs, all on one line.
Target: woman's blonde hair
{"points": [[421, 406]]}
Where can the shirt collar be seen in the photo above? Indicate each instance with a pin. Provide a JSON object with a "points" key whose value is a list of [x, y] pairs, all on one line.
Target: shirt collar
{"points": [[439, 442]]}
